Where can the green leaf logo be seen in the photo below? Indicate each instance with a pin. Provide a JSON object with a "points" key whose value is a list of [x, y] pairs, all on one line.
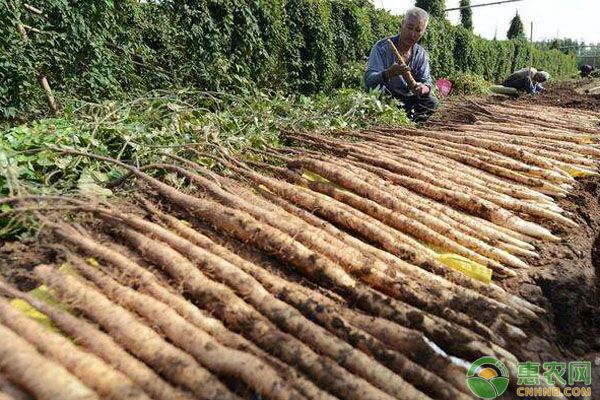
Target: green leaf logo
{"points": [[487, 378]]}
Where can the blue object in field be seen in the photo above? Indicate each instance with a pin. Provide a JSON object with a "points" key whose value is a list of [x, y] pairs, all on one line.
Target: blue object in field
{"points": [[586, 70]]}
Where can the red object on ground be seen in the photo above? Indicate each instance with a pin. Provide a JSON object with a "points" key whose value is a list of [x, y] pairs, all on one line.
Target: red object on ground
{"points": [[444, 86]]}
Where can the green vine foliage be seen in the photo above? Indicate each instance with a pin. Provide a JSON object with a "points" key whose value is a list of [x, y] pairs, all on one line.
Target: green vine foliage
{"points": [[110, 49], [434, 7], [454, 50]]}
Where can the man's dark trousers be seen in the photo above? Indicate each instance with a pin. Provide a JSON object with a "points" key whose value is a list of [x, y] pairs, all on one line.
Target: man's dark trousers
{"points": [[419, 108]]}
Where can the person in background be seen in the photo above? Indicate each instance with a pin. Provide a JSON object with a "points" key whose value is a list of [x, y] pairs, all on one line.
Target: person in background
{"points": [[527, 80], [586, 70], [384, 73]]}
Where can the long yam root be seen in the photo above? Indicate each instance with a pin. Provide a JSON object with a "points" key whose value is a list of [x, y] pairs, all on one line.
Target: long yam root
{"points": [[43, 378]]}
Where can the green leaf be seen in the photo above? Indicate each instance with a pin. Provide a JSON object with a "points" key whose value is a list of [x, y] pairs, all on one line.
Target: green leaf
{"points": [[87, 184]]}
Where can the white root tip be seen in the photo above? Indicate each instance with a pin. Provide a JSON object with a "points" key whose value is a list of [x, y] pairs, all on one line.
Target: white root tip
{"points": [[569, 222], [528, 246], [513, 261], [554, 188], [531, 229], [555, 239], [555, 193], [518, 251], [544, 197], [512, 241]]}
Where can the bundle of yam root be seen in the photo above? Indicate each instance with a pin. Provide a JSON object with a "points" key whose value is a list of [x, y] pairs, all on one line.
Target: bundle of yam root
{"points": [[356, 265]]}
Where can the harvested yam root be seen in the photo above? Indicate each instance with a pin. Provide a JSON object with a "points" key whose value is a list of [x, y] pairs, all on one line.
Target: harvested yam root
{"points": [[354, 265], [40, 376], [202, 346], [135, 336], [92, 371], [94, 340]]}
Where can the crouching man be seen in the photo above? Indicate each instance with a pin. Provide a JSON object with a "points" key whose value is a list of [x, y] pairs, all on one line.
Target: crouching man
{"points": [[527, 80], [384, 73]]}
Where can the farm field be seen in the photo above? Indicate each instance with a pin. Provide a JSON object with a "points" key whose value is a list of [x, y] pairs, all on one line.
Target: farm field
{"points": [[299, 199], [373, 262]]}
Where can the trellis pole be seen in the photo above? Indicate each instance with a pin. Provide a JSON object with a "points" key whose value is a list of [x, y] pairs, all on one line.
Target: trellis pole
{"points": [[42, 79]]}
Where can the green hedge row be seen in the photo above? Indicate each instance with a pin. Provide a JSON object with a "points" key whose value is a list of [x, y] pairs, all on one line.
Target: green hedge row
{"points": [[454, 50], [97, 49]]}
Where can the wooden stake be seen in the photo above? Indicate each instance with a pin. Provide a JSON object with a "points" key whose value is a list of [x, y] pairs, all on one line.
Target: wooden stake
{"points": [[531, 49], [32, 9], [41, 78], [22, 32], [51, 101]]}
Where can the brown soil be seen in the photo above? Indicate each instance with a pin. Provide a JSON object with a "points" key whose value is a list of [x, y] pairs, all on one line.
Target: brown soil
{"points": [[569, 94], [17, 260]]}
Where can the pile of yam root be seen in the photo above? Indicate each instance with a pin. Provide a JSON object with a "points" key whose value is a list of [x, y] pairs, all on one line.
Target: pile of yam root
{"points": [[308, 271]]}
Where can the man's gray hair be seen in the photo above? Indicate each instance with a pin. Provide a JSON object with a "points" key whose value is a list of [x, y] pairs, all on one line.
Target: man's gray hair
{"points": [[545, 75], [418, 14]]}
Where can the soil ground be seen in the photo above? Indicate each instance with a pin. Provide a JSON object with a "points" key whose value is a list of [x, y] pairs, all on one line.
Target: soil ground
{"points": [[17, 260], [570, 94]]}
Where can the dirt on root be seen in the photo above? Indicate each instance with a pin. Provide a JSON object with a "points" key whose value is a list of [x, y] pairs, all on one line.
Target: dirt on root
{"points": [[17, 260], [565, 280]]}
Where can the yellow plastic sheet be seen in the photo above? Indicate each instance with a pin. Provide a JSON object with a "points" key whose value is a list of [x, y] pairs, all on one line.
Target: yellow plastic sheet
{"points": [[577, 173], [313, 177], [41, 293], [44, 294], [467, 267]]}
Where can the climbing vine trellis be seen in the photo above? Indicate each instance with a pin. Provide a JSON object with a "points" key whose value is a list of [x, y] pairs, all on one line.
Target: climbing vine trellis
{"points": [[100, 49]]}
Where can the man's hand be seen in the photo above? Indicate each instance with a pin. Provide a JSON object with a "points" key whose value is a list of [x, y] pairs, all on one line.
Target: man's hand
{"points": [[422, 90], [395, 70]]}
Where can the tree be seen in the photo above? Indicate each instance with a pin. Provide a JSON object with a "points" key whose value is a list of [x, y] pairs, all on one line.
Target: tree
{"points": [[516, 30], [555, 45], [434, 7], [466, 15]]}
